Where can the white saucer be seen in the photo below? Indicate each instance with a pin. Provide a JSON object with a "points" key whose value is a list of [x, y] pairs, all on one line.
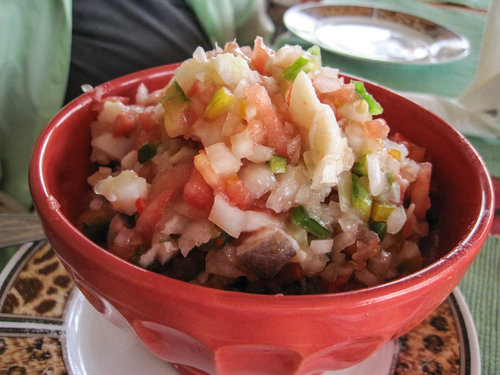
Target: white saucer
{"points": [[95, 346], [375, 34], [74, 339]]}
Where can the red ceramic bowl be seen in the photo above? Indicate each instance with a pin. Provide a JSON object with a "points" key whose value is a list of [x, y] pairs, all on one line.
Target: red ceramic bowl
{"points": [[237, 333]]}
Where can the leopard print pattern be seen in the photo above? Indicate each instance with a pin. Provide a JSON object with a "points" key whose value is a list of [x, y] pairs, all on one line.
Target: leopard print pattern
{"points": [[41, 288], [31, 355], [432, 348]]}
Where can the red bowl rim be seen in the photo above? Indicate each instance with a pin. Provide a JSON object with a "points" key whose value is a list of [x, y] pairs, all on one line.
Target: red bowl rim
{"points": [[48, 210]]}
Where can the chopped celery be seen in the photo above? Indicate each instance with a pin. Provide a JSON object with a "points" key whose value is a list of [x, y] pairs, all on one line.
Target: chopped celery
{"points": [[360, 167], [374, 107], [146, 152], [300, 217], [381, 211], [277, 164], [379, 227], [220, 103], [361, 199]]}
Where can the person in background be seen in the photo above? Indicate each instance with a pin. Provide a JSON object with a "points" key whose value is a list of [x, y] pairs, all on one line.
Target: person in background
{"points": [[50, 48]]}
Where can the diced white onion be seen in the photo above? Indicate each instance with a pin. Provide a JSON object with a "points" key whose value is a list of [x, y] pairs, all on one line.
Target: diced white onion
{"points": [[200, 54], [222, 159], [87, 88], [396, 220], [110, 110], [366, 277], [282, 196], [258, 178], [106, 147], [142, 95], [130, 160], [257, 220], [174, 224], [260, 153], [343, 239], [123, 237], [230, 219], [321, 246], [194, 234], [345, 191], [241, 144], [409, 251], [376, 177], [380, 263], [123, 190]]}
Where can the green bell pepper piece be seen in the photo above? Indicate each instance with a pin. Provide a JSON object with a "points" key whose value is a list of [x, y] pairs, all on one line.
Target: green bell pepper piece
{"points": [[361, 199], [300, 217], [374, 107], [146, 152], [277, 164]]}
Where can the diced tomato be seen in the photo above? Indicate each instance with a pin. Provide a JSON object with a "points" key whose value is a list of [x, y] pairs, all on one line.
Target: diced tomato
{"points": [[196, 191], [122, 99], [124, 123], [257, 131], [376, 128], [171, 179], [275, 134], [140, 204], [98, 105], [417, 153], [345, 94], [192, 212], [202, 164], [419, 190], [151, 216], [150, 126], [238, 194], [202, 91], [281, 106], [261, 54]]}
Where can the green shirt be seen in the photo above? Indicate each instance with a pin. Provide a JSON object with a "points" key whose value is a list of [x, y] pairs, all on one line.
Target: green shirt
{"points": [[35, 41], [35, 54]]}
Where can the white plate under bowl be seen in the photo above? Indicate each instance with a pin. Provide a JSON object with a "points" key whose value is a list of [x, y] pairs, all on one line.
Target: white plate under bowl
{"points": [[48, 327], [376, 34]]}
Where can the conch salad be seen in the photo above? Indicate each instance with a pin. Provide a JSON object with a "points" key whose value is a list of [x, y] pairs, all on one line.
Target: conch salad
{"points": [[259, 171]]}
